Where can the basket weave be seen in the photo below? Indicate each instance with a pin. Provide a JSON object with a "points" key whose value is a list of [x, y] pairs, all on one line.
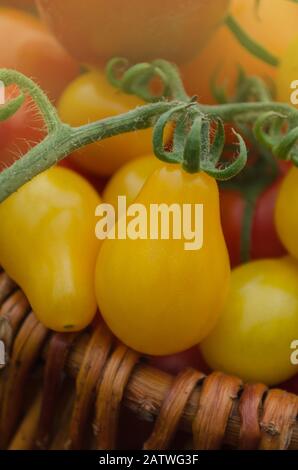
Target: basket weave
{"points": [[40, 409]]}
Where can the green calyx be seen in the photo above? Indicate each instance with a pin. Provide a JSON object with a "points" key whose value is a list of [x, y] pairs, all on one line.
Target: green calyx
{"points": [[192, 146]]}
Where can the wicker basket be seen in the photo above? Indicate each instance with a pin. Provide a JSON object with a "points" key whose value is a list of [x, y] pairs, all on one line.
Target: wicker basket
{"points": [[56, 385]]}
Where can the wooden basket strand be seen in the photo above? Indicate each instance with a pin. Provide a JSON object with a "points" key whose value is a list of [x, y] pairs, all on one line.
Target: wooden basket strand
{"points": [[218, 410]]}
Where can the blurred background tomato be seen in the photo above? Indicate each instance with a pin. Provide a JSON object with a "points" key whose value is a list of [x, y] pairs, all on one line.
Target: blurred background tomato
{"points": [[27, 46], [91, 97], [273, 24], [248, 224], [18, 3], [97, 30]]}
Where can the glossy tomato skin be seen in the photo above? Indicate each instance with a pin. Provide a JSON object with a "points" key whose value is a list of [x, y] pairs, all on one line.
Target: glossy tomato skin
{"points": [[89, 98], [130, 178], [155, 295], [97, 182], [32, 50], [48, 247], [259, 322], [232, 207], [264, 241], [96, 30], [223, 62], [21, 131], [286, 213]]}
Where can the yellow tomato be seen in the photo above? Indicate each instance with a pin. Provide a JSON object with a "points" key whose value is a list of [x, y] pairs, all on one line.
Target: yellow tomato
{"points": [[48, 246], [129, 179], [259, 323], [286, 212], [157, 296], [273, 25], [90, 98]]}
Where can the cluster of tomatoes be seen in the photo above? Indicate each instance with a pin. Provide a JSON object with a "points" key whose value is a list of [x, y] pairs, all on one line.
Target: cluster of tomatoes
{"points": [[251, 335]]}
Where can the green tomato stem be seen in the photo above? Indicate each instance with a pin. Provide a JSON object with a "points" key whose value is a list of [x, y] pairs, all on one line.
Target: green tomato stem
{"points": [[174, 79], [247, 111], [65, 139], [43, 103], [250, 44]]}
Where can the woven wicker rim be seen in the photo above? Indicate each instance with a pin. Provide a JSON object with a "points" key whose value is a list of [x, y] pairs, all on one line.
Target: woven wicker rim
{"points": [[217, 410]]}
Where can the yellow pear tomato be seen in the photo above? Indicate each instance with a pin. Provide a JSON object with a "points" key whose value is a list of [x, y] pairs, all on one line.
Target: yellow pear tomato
{"points": [[157, 295], [48, 246]]}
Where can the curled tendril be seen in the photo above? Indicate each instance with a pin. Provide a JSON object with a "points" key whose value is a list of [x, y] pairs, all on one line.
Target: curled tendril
{"points": [[180, 116], [248, 88], [115, 69], [193, 146], [267, 128], [287, 148], [270, 130], [11, 107], [218, 142], [229, 170], [27, 86], [137, 79]]}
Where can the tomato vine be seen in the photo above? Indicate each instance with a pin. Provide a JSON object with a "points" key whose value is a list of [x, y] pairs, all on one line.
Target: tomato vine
{"points": [[193, 146]]}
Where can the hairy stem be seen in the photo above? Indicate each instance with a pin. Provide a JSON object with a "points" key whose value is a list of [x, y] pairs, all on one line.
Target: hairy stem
{"points": [[43, 103], [65, 139]]}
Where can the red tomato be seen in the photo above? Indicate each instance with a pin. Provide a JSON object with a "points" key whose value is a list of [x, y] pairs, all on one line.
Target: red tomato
{"points": [[264, 241], [176, 363], [291, 385], [21, 131]]}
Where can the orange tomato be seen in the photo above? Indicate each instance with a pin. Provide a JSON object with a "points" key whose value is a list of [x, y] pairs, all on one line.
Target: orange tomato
{"points": [[26, 45], [273, 25], [94, 30]]}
